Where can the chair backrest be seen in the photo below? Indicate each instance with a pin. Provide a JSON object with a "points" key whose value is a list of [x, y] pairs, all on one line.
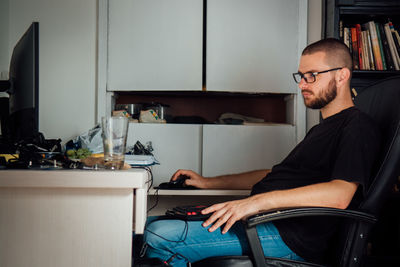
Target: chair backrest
{"points": [[381, 101]]}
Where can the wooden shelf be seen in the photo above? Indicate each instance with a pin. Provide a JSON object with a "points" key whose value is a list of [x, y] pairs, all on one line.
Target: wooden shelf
{"points": [[198, 192], [209, 106]]}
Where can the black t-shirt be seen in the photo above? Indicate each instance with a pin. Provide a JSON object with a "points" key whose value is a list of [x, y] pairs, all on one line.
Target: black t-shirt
{"points": [[343, 146]]}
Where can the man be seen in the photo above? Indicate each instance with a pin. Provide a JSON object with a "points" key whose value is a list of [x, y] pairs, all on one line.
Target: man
{"points": [[331, 167]]}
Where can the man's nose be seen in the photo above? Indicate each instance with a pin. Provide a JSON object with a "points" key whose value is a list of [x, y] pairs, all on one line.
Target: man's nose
{"points": [[303, 84]]}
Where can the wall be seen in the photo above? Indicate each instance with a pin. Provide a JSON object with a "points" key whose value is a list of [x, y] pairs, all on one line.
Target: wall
{"points": [[314, 34], [67, 59]]}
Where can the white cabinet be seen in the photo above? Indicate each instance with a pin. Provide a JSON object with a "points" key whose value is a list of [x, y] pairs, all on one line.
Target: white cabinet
{"points": [[176, 146], [253, 45], [250, 46], [153, 45], [229, 149]]}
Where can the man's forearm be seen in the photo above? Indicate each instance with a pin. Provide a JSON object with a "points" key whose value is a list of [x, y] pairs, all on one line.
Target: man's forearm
{"points": [[236, 181], [334, 194]]}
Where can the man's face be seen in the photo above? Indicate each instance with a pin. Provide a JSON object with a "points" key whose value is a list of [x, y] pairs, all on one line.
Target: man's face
{"points": [[318, 94]]}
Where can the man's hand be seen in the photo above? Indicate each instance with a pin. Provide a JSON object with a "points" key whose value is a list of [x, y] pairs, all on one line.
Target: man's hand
{"points": [[229, 213], [195, 179]]}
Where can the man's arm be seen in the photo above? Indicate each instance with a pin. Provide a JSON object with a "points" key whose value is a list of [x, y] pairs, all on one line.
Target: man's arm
{"points": [[233, 181], [334, 194]]}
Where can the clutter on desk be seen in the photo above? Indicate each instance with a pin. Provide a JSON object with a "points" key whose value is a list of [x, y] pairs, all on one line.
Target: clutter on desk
{"points": [[140, 160], [91, 140], [141, 155], [33, 152], [80, 153], [140, 149], [98, 162]]}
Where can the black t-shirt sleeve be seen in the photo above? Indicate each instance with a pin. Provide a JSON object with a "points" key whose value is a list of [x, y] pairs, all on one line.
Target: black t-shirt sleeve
{"points": [[356, 153]]}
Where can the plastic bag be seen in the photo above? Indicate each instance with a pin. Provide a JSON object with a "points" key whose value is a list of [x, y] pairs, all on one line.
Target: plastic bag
{"points": [[91, 140]]}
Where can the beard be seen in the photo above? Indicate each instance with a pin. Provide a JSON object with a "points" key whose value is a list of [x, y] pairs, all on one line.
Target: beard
{"points": [[324, 98]]}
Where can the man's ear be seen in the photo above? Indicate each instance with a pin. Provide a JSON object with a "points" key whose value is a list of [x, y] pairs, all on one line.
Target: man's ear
{"points": [[342, 76]]}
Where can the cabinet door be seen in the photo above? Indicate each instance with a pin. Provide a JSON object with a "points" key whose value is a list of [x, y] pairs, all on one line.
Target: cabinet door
{"points": [[176, 146], [253, 45], [229, 149], [155, 45]]}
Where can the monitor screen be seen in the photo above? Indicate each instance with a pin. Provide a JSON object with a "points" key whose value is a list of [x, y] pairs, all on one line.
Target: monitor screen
{"points": [[23, 121]]}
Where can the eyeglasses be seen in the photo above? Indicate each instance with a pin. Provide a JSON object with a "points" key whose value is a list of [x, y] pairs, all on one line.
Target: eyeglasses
{"points": [[309, 77]]}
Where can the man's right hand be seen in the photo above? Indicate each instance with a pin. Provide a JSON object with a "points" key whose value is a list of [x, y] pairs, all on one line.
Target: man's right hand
{"points": [[195, 179]]}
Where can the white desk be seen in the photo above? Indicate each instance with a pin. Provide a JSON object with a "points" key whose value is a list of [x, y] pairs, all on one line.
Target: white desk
{"points": [[70, 217]]}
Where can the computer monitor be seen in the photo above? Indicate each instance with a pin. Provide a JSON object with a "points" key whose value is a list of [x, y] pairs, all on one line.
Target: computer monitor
{"points": [[23, 88]]}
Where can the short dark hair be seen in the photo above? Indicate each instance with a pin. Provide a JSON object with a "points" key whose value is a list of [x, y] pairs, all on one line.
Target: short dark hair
{"points": [[337, 53]]}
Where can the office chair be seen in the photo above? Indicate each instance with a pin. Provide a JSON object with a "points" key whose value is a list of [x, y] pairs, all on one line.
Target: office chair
{"points": [[381, 101]]}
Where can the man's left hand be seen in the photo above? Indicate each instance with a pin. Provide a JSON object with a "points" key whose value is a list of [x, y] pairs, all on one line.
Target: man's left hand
{"points": [[229, 213]]}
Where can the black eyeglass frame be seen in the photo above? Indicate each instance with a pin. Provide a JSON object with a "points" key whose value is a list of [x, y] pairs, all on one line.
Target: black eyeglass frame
{"points": [[313, 75]]}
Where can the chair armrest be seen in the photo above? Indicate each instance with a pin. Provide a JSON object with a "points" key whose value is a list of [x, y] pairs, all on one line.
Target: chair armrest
{"points": [[257, 254], [308, 211]]}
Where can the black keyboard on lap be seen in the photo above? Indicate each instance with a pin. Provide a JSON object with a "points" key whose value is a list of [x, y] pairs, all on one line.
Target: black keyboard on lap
{"points": [[188, 213]]}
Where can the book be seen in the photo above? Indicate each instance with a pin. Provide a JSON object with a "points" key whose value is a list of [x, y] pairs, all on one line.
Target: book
{"points": [[378, 34], [364, 54], [396, 42], [385, 45], [350, 45], [370, 52], [354, 45], [360, 47], [393, 50], [346, 37], [375, 45], [397, 35]]}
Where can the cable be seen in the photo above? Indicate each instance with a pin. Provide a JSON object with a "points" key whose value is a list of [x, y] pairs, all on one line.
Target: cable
{"points": [[150, 185], [185, 233], [156, 202], [149, 181]]}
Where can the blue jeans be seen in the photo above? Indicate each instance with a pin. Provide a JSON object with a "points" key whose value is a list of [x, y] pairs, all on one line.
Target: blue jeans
{"points": [[177, 241]]}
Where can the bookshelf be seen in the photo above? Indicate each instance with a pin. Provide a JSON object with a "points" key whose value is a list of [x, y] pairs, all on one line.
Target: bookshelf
{"points": [[339, 14]]}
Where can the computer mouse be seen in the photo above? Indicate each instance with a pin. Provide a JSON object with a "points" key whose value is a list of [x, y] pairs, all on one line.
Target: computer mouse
{"points": [[179, 183], [180, 180]]}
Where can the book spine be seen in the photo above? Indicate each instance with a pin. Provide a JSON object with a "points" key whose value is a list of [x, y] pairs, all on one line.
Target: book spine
{"points": [[365, 56], [398, 40], [397, 35], [386, 48], [351, 46], [354, 44], [360, 48], [370, 52], [375, 45], [378, 34], [391, 46], [346, 37], [396, 44]]}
